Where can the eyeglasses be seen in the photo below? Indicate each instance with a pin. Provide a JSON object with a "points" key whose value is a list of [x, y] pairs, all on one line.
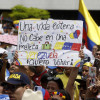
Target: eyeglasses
{"points": [[52, 78], [12, 88], [98, 54], [85, 70]]}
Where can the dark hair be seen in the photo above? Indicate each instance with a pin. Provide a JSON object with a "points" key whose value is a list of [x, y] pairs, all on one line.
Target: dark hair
{"points": [[82, 83], [98, 46], [57, 80], [32, 68], [44, 77], [11, 87]]}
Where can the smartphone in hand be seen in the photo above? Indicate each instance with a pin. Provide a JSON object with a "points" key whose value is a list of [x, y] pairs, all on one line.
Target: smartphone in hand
{"points": [[92, 76], [37, 88], [10, 55]]}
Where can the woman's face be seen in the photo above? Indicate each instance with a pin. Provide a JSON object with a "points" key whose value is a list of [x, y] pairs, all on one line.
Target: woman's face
{"points": [[68, 71], [94, 50], [97, 54], [85, 71], [52, 86], [15, 92]]}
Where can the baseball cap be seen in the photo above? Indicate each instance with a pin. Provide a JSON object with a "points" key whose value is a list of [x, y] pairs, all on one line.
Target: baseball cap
{"points": [[18, 78]]}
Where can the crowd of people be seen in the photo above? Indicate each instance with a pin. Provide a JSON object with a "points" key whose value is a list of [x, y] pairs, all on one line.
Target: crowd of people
{"points": [[50, 82]]}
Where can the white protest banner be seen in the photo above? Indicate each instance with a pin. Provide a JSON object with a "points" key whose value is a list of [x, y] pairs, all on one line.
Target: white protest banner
{"points": [[49, 42]]}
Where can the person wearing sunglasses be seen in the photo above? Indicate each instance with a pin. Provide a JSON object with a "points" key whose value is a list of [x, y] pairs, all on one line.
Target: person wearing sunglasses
{"points": [[85, 70], [97, 53], [97, 60], [54, 83]]}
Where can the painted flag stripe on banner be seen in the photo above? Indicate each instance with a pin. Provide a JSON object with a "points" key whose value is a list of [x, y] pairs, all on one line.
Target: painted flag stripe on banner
{"points": [[67, 46]]}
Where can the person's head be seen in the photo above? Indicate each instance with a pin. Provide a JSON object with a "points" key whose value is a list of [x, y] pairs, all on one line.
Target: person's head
{"points": [[97, 54], [59, 69], [54, 83], [31, 71], [13, 68], [52, 70], [16, 84], [94, 50], [83, 90], [44, 80], [85, 68], [82, 87], [60, 95], [67, 71], [39, 69]]}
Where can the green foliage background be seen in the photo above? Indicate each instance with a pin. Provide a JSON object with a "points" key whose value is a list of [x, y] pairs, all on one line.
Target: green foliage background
{"points": [[21, 12]]}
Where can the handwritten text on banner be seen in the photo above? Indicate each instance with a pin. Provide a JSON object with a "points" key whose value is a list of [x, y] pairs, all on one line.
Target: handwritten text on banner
{"points": [[49, 40]]}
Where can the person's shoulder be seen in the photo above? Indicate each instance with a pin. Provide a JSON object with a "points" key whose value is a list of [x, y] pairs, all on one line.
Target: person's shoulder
{"points": [[45, 94]]}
